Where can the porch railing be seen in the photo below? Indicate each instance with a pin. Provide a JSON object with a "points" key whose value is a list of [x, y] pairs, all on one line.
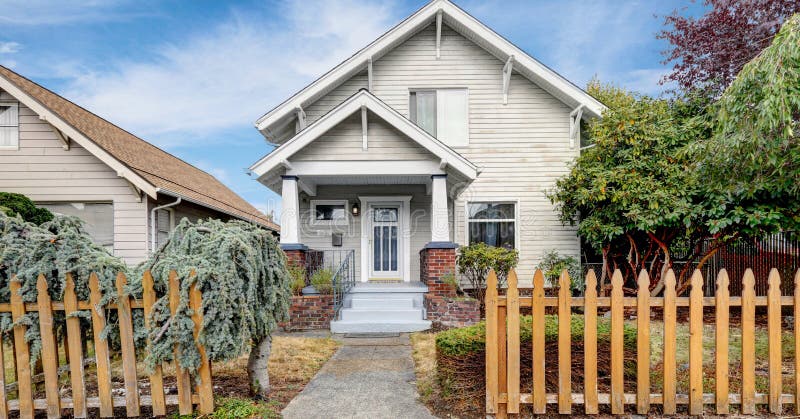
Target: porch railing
{"points": [[343, 280]]}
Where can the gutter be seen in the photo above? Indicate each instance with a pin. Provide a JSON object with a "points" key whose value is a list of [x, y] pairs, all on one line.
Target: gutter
{"points": [[153, 222]]}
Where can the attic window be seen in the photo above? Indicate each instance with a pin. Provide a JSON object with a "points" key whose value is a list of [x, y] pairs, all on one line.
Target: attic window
{"points": [[9, 126], [442, 113]]}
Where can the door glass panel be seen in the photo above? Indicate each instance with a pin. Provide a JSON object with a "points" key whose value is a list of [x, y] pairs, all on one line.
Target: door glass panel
{"points": [[394, 249], [376, 248], [385, 215], [386, 248]]}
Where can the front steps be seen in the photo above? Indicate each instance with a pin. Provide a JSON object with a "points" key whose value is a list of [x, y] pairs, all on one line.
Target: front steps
{"points": [[383, 308]]}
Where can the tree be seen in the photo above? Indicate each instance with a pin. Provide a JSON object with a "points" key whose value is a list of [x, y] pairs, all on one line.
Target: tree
{"points": [[17, 204], [709, 51]]}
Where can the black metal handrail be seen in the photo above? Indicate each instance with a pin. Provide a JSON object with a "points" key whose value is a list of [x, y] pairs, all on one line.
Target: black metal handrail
{"points": [[343, 280]]}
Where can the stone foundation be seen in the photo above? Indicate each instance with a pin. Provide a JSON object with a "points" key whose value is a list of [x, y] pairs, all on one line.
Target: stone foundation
{"points": [[444, 307], [309, 312]]}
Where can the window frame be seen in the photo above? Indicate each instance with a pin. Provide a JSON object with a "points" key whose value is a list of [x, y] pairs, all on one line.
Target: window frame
{"points": [[15, 146], [412, 109], [113, 243], [312, 216], [515, 220], [171, 212]]}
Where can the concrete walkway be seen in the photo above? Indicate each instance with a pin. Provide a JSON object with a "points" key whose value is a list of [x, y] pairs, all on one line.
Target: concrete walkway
{"points": [[365, 378]]}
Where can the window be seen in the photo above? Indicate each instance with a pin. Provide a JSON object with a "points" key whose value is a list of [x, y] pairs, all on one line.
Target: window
{"points": [[492, 223], [329, 213], [9, 126], [164, 225], [443, 113], [98, 218]]}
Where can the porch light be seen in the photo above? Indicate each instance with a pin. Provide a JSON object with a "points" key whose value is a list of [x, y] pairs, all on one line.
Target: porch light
{"points": [[355, 209]]}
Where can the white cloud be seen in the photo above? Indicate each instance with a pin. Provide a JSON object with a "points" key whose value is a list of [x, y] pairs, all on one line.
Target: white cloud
{"points": [[646, 80], [9, 47], [231, 74]]}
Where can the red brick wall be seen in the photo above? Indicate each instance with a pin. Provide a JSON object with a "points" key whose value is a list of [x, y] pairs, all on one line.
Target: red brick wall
{"points": [[434, 265], [296, 257], [309, 312], [453, 311], [442, 304]]}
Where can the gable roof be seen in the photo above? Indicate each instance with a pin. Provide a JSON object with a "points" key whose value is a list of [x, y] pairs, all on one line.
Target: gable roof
{"points": [[145, 166], [365, 99], [461, 22]]}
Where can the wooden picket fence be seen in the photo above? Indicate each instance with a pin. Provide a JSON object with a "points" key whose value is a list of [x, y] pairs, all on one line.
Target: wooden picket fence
{"points": [[503, 346], [79, 402]]}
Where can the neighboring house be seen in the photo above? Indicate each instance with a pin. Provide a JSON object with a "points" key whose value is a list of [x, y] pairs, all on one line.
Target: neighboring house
{"points": [[439, 133], [129, 192]]}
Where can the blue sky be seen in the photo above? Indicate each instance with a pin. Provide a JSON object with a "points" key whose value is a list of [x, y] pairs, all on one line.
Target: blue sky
{"points": [[193, 76]]}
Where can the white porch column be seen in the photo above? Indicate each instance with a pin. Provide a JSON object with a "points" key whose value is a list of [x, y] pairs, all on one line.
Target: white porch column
{"points": [[290, 211], [440, 225]]}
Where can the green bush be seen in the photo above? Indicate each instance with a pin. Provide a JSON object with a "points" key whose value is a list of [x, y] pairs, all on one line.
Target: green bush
{"points": [[298, 278], [322, 280], [472, 339], [16, 204], [475, 261], [552, 264]]}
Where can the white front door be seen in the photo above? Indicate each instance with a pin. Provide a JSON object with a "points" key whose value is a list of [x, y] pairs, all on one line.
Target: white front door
{"points": [[385, 241]]}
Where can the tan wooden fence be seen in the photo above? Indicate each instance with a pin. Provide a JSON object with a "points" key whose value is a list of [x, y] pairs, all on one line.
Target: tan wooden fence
{"points": [[503, 346], [73, 349]]}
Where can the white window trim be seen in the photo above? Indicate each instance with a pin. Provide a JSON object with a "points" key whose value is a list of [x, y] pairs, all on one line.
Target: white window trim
{"points": [[436, 108], [517, 211], [14, 147], [171, 212], [312, 219]]}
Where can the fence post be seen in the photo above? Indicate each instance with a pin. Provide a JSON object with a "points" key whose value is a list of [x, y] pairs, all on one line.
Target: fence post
{"points": [[512, 336], [23, 355], [774, 331], [128, 348], [3, 398], [696, 344], [490, 301], [590, 346], [564, 344], [721, 348], [797, 342], [204, 387], [643, 344], [182, 375], [748, 344], [670, 344], [49, 349], [537, 341], [156, 378], [75, 346], [617, 346], [100, 349]]}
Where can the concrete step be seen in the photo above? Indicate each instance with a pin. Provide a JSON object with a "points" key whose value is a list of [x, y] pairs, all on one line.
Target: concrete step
{"points": [[359, 302], [343, 326], [375, 315]]}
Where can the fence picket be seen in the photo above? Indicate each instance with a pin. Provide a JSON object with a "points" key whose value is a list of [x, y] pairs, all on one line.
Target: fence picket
{"points": [[22, 353], [590, 346], [774, 333], [49, 349], [3, 396], [502, 359], [721, 347], [617, 346], [100, 349], [128, 348], [182, 375], [490, 301], [797, 342], [696, 344], [643, 344], [205, 390], [564, 344], [512, 343], [156, 378], [75, 355], [537, 341], [670, 344], [748, 344]]}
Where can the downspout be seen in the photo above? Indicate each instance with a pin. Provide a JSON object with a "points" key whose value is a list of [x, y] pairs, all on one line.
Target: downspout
{"points": [[153, 222]]}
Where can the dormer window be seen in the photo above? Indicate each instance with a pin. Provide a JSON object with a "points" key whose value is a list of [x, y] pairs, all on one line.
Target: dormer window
{"points": [[442, 113], [9, 126]]}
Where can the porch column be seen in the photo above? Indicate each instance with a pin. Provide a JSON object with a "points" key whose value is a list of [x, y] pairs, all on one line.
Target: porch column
{"points": [[440, 225], [290, 212]]}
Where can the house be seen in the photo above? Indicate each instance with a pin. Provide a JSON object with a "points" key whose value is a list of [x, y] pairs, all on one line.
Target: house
{"points": [[440, 133], [129, 192]]}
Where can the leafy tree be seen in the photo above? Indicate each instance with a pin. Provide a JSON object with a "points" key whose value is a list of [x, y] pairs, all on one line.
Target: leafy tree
{"points": [[475, 261], [553, 264], [708, 52], [14, 203]]}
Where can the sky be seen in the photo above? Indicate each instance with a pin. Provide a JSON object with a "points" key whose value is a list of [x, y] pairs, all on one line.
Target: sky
{"points": [[192, 76]]}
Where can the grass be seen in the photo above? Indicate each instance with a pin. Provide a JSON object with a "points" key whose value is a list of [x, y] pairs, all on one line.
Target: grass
{"points": [[424, 353]]}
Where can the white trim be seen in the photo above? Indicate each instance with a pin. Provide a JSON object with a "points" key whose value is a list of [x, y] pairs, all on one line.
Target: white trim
{"points": [[364, 124], [349, 107], [47, 115], [540, 74], [517, 212], [365, 168], [405, 227], [312, 220], [439, 34], [507, 69], [15, 146]]}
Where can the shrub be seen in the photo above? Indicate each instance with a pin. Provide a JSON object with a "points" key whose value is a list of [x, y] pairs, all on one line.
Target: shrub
{"points": [[475, 260], [552, 264], [16, 204], [322, 280], [298, 278]]}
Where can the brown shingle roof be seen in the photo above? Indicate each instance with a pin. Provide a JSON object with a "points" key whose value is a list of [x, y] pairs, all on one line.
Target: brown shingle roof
{"points": [[157, 167]]}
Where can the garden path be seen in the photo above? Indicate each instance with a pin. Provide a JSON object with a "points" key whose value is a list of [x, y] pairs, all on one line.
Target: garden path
{"points": [[366, 378]]}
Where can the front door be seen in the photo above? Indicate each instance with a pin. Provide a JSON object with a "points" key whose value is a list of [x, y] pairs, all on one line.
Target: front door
{"points": [[385, 242]]}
